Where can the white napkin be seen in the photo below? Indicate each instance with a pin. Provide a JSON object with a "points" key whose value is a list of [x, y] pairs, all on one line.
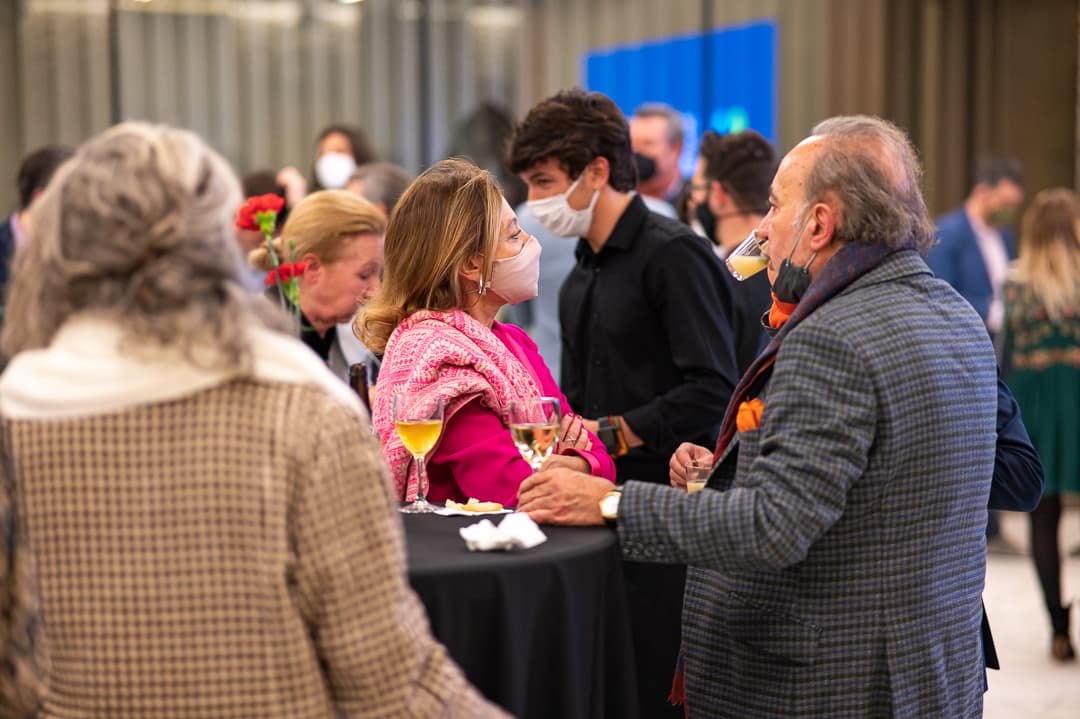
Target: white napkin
{"points": [[516, 530]]}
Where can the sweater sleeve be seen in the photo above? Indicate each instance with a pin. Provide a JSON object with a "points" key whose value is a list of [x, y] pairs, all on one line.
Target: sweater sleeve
{"points": [[600, 462], [368, 627]]}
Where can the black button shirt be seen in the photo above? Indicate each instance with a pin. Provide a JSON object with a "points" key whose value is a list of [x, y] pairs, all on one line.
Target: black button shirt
{"points": [[646, 334]]}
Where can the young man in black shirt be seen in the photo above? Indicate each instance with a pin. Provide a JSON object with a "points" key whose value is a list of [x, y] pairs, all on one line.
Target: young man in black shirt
{"points": [[647, 347]]}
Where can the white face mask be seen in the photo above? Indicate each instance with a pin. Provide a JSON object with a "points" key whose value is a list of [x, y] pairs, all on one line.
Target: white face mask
{"points": [[334, 169], [559, 218], [515, 278]]}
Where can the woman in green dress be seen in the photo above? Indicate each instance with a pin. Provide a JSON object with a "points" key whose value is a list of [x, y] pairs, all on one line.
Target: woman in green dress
{"points": [[1041, 343]]}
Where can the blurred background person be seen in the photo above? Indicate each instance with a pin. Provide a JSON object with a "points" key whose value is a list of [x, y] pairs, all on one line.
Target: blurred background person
{"points": [[380, 183], [200, 485], [434, 320], [540, 315], [730, 195], [482, 137], [340, 237], [35, 171], [975, 246], [1041, 354], [975, 241], [339, 149], [656, 132]]}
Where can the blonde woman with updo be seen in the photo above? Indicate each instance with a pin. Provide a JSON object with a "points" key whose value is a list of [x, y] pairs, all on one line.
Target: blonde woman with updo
{"points": [[212, 519], [455, 255], [340, 237]]}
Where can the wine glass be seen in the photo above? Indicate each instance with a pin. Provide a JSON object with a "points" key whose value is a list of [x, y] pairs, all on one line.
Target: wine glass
{"points": [[418, 419], [534, 425]]}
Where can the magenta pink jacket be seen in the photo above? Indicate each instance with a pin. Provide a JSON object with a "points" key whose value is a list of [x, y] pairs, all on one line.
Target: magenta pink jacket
{"points": [[478, 371]]}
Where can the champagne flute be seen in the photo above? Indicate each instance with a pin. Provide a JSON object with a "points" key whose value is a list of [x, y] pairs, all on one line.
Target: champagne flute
{"points": [[418, 419], [534, 425]]}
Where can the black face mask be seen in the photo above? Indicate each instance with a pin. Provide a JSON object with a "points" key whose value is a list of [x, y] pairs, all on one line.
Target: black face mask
{"points": [[646, 167], [708, 221], [792, 282]]}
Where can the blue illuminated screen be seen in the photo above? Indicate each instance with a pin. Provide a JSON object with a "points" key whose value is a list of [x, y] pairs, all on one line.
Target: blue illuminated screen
{"points": [[723, 80]]}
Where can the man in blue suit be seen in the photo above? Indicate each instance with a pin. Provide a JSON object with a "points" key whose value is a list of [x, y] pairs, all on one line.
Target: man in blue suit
{"points": [[975, 244]]}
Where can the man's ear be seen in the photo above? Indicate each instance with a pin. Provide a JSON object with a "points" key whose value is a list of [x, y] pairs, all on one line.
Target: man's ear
{"points": [[824, 219], [597, 173], [717, 197]]}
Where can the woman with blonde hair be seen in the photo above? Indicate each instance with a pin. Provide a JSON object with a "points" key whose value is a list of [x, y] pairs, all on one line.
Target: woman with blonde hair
{"points": [[340, 238], [213, 526], [454, 256], [1041, 348]]}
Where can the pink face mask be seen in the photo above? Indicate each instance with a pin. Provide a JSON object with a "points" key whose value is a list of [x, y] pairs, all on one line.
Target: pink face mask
{"points": [[514, 278]]}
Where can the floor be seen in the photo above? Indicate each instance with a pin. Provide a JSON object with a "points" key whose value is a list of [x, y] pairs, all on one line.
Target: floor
{"points": [[1030, 684]]}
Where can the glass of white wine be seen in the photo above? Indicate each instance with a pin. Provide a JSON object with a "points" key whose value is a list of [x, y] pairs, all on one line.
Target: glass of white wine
{"points": [[748, 258], [418, 419], [534, 424]]}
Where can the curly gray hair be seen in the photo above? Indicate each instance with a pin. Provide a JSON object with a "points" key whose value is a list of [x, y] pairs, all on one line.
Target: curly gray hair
{"points": [[870, 165], [138, 226]]}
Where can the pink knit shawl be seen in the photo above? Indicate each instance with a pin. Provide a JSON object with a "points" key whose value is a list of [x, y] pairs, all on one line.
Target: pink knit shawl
{"points": [[451, 355]]}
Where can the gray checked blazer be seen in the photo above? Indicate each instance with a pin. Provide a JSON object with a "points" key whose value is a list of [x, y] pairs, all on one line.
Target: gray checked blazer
{"points": [[838, 563]]}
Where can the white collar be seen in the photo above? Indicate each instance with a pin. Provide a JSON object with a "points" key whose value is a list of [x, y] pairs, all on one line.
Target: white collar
{"points": [[91, 368]]}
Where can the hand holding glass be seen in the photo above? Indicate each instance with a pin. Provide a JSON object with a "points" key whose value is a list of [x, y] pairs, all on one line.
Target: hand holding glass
{"points": [[748, 258], [534, 425], [418, 419]]}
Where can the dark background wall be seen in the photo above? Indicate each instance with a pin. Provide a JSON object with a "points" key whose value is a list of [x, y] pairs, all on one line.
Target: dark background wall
{"points": [[258, 78]]}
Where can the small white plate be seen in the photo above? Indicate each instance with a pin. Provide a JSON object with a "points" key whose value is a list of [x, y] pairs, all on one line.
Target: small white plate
{"points": [[447, 512]]}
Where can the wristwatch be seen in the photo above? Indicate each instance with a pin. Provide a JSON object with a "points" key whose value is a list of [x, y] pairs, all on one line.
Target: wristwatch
{"points": [[609, 506]]}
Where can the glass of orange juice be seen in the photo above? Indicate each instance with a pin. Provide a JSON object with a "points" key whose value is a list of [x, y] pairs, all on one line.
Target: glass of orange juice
{"points": [[697, 474], [418, 419], [748, 258]]}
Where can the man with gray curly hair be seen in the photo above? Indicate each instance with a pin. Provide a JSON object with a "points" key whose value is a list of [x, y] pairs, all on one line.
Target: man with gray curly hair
{"points": [[215, 532], [836, 555]]}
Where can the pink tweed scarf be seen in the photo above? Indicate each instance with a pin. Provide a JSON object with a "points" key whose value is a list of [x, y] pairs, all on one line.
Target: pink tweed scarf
{"points": [[452, 355]]}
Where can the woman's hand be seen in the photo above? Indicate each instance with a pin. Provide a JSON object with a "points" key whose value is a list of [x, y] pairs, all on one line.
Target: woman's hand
{"points": [[567, 461], [573, 435], [686, 453]]}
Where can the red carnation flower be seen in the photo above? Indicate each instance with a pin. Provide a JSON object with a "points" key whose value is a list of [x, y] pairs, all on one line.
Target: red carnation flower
{"points": [[248, 216]]}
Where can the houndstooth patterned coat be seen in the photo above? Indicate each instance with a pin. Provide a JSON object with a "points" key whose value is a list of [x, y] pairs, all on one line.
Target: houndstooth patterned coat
{"points": [[837, 569], [234, 553]]}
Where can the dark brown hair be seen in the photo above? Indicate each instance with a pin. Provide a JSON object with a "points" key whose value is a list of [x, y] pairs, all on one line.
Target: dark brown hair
{"points": [[575, 127], [361, 149], [744, 163]]}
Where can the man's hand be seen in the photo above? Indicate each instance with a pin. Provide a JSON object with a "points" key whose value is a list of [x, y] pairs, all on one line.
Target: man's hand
{"points": [[563, 496], [686, 453]]}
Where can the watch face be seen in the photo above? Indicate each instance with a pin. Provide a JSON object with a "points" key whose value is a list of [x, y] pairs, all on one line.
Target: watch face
{"points": [[609, 506]]}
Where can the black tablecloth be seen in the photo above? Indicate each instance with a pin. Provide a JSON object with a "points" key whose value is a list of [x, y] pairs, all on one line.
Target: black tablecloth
{"points": [[543, 632]]}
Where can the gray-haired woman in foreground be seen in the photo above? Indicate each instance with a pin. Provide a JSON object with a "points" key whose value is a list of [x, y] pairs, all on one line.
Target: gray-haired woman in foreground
{"points": [[214, 529]]}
